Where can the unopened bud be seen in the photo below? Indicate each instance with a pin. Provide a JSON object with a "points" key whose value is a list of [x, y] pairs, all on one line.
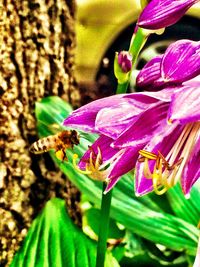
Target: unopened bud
{"points": [[125, 61]]}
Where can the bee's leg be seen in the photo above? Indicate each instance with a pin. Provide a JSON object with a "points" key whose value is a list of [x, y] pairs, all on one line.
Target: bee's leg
{"points": [[65, 156], [61, 155]]}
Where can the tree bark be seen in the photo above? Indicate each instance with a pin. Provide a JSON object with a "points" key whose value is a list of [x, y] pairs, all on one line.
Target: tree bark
{"points": [[37, 42]]}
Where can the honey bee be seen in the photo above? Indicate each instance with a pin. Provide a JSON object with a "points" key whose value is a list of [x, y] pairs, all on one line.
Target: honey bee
{"points": [[59, 142]]}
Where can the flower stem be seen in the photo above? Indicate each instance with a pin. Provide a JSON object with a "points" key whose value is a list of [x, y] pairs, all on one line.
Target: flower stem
{"points": [[139, 39], [122, 88], [103, 227]]}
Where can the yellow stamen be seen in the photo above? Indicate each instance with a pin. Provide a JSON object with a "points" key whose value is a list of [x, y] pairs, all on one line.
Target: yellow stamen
{"points": [[156, 186], [167, 170], [157, 177], [98, 161], [92, 168], [75, 157], [163, 176], [169, 122], [147, 154]]}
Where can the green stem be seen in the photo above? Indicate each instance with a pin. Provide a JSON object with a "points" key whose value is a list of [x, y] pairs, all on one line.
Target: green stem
{"points": [[103, 227], [138, 41], [121, 88]]}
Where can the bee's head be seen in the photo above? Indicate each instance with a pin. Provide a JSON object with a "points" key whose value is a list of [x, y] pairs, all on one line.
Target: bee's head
{"points": [[75, 137]]}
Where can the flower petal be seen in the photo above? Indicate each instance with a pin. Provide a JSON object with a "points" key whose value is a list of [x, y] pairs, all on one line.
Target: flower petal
{"points": [[142, 184], [150, 73], [163, 13], [84, 117], [191, 171], [124, 163], [114, 120], [147, 125], [149, 97], [181, 61], [185, 103]]}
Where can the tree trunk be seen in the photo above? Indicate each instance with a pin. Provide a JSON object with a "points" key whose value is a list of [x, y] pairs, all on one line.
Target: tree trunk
{"points": [[37, 41]]}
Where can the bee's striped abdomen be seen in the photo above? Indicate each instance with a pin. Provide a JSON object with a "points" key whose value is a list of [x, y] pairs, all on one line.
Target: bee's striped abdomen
{"points": [[43, 145]]}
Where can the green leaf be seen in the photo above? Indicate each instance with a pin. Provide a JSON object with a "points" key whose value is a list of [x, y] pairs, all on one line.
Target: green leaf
{"points": [[141, 215], [54, 241], [187, 209], [141, 252]]}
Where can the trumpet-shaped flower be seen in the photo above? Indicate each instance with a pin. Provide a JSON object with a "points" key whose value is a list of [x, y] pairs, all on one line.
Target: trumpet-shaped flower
{"points": [[166, 124], [158, 133], [110, 117], [163, 13]]}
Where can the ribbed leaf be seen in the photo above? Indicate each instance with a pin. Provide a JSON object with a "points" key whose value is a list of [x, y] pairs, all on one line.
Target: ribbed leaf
{"points": [[54, 241], [187, 209], [140, 215]]}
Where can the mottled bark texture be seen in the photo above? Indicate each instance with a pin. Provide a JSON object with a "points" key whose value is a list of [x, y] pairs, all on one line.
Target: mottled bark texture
{"points": [[37, 43]]}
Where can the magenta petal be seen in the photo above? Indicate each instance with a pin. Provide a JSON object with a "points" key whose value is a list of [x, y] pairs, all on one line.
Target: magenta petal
{"points": [[103, 142], [163, 13], [185, 103], [162, 142], [191, 171], [150, 73], [142, 184], [112, 121], [151, 97], [84, 117], [124, 163], [181, 61], [148, 124]]}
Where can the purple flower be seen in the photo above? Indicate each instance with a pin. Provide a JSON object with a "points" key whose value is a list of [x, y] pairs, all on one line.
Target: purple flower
{"points": [[163, 127], [158, 133], [163, 13], [110, 117], [179, 63], [125, 61]]}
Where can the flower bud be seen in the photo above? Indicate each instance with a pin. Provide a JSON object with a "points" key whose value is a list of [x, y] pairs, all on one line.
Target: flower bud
{"points": [[122, 66], [125, 61]]}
